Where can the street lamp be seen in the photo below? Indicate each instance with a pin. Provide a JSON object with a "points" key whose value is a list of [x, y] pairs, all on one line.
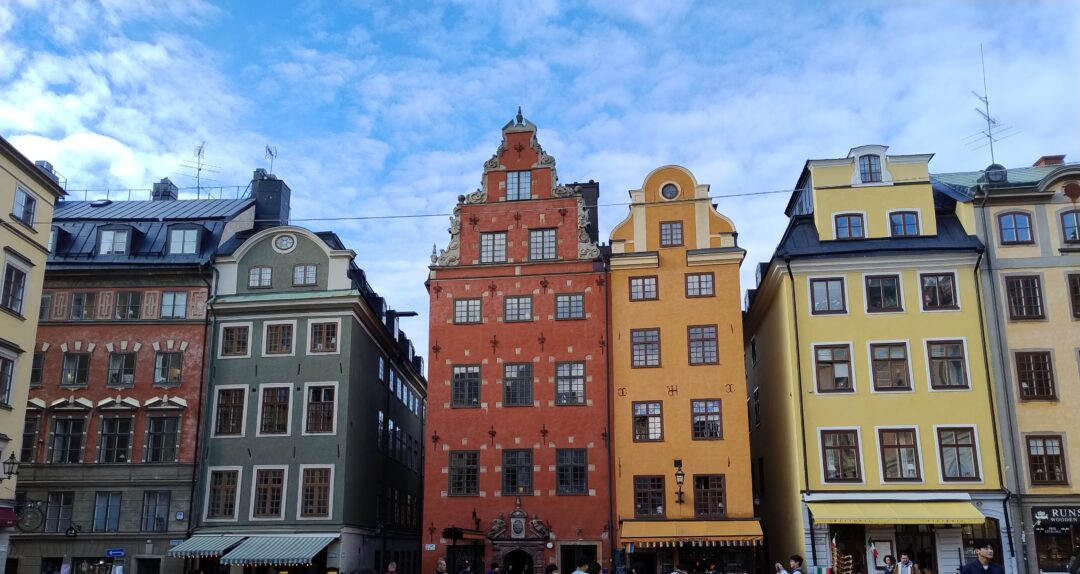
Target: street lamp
{"points": [[11, 466], [680, 478]]}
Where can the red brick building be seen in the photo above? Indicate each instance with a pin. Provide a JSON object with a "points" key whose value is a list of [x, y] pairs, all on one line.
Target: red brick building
{"points": [[517, 458]]}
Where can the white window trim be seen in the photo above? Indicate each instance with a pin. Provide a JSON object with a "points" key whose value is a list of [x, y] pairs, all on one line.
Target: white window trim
{"points": [[206, 496], [259, 284], [174, 293], [918, 453], [967, 365], [853, 370], [810, 295], [307, 396], [265, 340], [310, 325], [918, 223], [221, 340], [660, 189], [292, 278], [886, 175], [978, 455], [284, 491], [20, 188], [15, 262], [243, 411], [870, 365], [865, 231], [900, 293], [300, 492], [821, 456], [1000, 238], [14, 358], [956, 291], [289, 418], [198, 238]]}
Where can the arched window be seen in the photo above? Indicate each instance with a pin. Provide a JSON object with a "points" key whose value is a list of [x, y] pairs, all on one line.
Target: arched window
{"points": [[869, 168], [1015, 228], [1070, 226]]}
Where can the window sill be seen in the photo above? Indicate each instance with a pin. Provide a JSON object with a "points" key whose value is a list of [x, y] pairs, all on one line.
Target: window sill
{"points": [[826, 313], [1069, 249], [1031, 318], [13, 313], [571, 494], [836, 392], [1052, 399], [20, 221], [1017, 243], [5, 406], [570, 404], [892, 390], [885, 311], [707, 438], [464, 406], [569, 318], [702, 363]]}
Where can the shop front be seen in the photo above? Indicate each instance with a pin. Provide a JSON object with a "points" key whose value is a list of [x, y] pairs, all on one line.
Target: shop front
{"points": [[1057, 536], [658, 547]]}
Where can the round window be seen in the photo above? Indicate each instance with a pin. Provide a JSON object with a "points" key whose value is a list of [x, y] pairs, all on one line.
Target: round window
{"points": [[669, 191]]}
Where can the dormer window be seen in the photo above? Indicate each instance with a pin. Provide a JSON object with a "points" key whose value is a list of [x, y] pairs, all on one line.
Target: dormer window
{"points": [[183, 241], [1015, 228], [113, 242], [849, 226], [904, 223], [870, 168]]}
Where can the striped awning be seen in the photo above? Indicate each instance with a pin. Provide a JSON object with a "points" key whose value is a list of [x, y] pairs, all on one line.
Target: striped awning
{"points": [[204, 546], [291, 550], [896, 512], [673, 533]]}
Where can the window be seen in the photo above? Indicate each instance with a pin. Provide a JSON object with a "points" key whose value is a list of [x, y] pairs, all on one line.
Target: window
{"points": [[58, 508], [7, 378], [269, 492], [324, 337], [82, 306], [1074, 294], [889, 363], [112, 242], [1046, 460], [67, 440], [465, 386], [37, 369], [671, 233], [1025, 297], [76, 370], [466, 311], [518, 309], [173, 305], [183, 241], [107, 512], [517, 385], [883, 293], [541, 244], [121, 369], [840, 449], [517, 471], [168, 368], [699, 285], [947, 369], [464, 473], [757, 408], [1035, 375], [28, 452], [155, 510], [14, 289], [229, 412], [570, 383], [869, 168], [320, 409], [279, 339], [315, 493], [648, 421], [571, 471], [234, 341], [303, 274], [274, 418], [52, 240], [705, 424], [849, 226], [643, 288], [833, 367], [648, 496], [569, 307], [709, 496], [259, 277], [1015, 228], [958, 458], [702, 347], [1070, 226], [45, 310], [518, 185], [493, 247], [222, 502], [24, 207], [827, 296], [899, 454], [938, 291], [162, 438], [115, 442], [645, 347]]}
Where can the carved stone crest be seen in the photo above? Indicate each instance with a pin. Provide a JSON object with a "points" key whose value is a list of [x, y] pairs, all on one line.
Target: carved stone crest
{"points": [[452, 254]]}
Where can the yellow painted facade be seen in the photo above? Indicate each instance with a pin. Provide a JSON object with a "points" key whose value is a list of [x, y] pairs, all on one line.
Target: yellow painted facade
{"points": [[696, 278]]}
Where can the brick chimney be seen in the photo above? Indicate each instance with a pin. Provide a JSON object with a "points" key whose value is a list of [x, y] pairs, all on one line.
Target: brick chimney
{"points": [[271, 199], [1049, 160]]}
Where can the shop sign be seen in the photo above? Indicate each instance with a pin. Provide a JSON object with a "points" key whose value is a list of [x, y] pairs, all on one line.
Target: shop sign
{"points": [[1047, 515]]}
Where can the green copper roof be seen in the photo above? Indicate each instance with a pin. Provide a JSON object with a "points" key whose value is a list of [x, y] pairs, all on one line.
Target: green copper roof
{"points": [[287, 296], [1017, 176]]}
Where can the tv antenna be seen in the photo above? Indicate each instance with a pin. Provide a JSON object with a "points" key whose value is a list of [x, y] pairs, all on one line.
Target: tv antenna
{"points": [[199, 166], [271, 154], [994, 131]]}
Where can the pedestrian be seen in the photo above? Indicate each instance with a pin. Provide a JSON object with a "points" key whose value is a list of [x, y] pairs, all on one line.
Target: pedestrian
{"points": [[582, 566], [551, 569], [983, 564], [890, 564], [794, 565], [494, 568], [1074, 563], [712, 569], [905, 565], [594, 567], [391, 568], [440, 566]]}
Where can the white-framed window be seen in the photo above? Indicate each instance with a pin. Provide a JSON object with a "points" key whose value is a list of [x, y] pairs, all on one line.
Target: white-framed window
{"points": [[841, 455], [268, 489], [113, 242], [174, 304], [958, 453], [904, 223], [324, 336], [230, 410], [828, 295], [13, 297], [304, 274], [259, 277], [7, 378], [222, 492], [898, 448], [183, 241], [25, 206], [870, 168], [275, 410], [315, 499], [320, 408], [833, 369], [279, 338], [234, 340]]}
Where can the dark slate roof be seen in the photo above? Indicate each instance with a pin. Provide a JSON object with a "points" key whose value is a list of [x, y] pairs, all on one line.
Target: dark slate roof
{"points": [[801, 241], [176, 210]]}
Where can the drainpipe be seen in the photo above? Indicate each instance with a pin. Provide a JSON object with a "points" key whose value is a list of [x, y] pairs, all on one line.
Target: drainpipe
{"points": [[802, 408], [612, 522], [208, 353]]}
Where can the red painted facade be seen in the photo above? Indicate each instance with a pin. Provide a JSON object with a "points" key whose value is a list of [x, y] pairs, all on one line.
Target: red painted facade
{"points": [[570, 523]]}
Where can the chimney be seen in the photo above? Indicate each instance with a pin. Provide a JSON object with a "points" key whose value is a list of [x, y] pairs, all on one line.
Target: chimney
{"points": [[271, 199], [164, 190], [1049, 160], [48, 169]]}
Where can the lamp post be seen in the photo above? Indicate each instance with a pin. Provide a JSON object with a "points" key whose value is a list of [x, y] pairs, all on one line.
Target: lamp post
{"points": [[680, 478], [11, 466]]}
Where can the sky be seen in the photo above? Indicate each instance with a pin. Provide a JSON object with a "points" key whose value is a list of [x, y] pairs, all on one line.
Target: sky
{"points": [[383, 109]]}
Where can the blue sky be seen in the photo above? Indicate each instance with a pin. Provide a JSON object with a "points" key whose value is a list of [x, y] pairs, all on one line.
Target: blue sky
{"points": [[390, 108]]}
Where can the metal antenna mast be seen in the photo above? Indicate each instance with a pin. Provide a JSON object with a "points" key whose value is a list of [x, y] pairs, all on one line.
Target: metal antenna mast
{"points": [[994, 132], [199, 166], [271, 154]]}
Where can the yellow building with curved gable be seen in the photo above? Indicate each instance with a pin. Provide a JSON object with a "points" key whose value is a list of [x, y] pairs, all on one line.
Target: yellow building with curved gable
{"points": [[681, 450]]}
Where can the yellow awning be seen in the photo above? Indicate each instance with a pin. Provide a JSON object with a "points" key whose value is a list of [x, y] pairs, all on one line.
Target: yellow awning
{"points": [[665, 533], [896, 513]]}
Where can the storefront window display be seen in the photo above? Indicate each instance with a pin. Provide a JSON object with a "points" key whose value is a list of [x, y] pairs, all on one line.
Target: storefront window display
{"points": [[1057, 536]]}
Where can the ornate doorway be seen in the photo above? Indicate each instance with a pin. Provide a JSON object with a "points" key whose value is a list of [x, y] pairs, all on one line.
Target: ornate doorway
{"points": [[518, 562]]}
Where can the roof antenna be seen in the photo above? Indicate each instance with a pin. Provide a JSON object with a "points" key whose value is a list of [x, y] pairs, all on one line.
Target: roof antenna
{"points": [[994, 131], [199, 166], [271, 154]]}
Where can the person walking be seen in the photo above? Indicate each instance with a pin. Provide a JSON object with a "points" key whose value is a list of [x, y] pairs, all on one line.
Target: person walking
{"points": [[890, 564], [905, 565], [1074, 563], [391, 568], [983, 562], [440, 566], [583, 566], [712, 569], [794, 565]]}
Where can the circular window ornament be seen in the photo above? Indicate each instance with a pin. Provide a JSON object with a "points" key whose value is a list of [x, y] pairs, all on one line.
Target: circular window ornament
{"points": [[284, 243], [669, 191]]}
